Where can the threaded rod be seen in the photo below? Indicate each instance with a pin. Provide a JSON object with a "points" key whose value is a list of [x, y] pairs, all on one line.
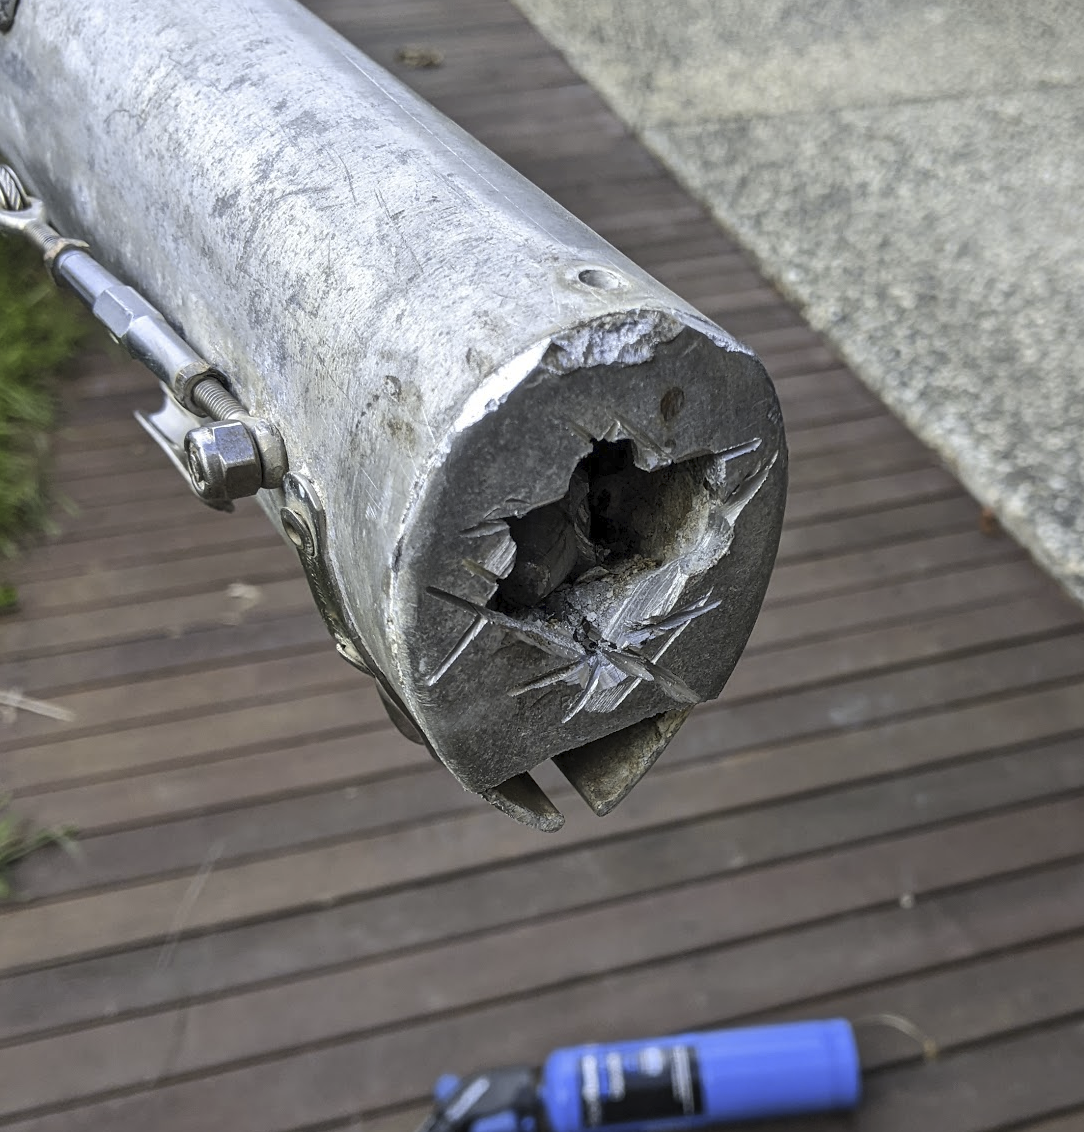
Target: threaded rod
{"points": [[216, 400]]}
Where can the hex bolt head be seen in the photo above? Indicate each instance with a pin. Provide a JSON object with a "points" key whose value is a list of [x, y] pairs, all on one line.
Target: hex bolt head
{"points": [[223, 461]]}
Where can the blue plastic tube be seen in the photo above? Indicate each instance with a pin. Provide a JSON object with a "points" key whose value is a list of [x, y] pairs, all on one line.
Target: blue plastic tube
{"points": [[703, 1079]]}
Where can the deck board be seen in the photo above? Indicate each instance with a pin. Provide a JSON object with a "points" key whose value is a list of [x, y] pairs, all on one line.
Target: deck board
{"points": [[287, 918]]}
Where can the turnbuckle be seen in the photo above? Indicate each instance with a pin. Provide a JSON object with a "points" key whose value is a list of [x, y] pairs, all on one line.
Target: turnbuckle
{"points": [[232, 456]]}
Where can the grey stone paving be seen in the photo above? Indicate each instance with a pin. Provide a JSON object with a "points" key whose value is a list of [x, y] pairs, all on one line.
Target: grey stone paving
{"points": [[913, 175]]}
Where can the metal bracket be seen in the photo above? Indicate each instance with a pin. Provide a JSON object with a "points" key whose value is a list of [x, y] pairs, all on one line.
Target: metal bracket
{"points": [[305, 523], [7, 13]]}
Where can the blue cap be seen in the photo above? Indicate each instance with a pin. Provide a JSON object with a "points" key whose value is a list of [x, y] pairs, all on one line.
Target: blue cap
{"points": [[446, 1085], [506, 1121]]}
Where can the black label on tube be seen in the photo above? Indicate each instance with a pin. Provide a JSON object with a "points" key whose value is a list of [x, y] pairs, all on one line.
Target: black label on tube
{"points": [[651, 1083]]}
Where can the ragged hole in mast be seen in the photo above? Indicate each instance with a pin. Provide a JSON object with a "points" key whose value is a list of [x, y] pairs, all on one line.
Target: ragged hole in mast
{"points": [[614, 516]]}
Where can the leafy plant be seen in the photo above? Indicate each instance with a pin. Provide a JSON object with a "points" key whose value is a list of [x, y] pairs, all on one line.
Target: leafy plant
{"points": [[39, 329], [19, 838]]}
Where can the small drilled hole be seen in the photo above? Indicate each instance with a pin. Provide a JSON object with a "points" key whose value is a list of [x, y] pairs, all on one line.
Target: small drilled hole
{"points": [[601, 279]]}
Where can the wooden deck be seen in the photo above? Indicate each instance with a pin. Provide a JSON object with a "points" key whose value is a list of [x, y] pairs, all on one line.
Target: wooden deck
{"points": [[285, 917]]}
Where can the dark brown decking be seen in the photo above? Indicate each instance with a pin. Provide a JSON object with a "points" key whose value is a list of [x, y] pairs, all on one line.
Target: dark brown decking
{"points": [[286, 917]]}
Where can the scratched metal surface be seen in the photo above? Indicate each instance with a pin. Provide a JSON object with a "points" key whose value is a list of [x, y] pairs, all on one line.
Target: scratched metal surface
{"points": [[286, 918], [436, 340]]}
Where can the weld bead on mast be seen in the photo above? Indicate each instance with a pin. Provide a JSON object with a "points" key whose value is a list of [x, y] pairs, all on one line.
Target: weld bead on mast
{"points": [[536, 494]]}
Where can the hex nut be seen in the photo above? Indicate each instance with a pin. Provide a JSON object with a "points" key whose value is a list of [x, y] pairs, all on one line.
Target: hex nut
{"points": [[274, 462], [223, 461], [185, 380], [118, 308]]}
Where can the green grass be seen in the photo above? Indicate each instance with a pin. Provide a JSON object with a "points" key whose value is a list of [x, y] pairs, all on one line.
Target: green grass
{"points": [[40, 329], [19, 838]]}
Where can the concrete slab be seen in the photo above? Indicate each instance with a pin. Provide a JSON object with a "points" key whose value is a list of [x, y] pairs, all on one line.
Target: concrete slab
{"points": [[913, 175]]}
